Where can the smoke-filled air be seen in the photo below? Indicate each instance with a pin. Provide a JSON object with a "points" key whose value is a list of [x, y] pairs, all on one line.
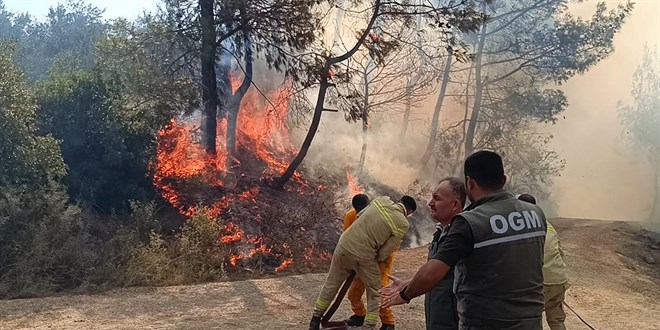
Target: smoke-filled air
{"points": [[267, 151]]}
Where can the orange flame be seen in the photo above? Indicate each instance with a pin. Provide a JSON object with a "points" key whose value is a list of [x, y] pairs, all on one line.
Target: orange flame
{"points": [[286, 263], [260, 131], [353, 186]]}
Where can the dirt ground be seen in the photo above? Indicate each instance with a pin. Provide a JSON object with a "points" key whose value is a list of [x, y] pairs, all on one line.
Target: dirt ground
{"points": [[614, 270]]}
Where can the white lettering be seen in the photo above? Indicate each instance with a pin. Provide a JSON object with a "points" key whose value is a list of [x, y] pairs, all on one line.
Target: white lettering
{"points": [[529, 219], [516, 221], [494, 226]]}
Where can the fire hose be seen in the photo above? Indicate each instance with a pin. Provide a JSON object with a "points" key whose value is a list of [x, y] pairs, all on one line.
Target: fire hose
{"points": [[340, 325], [580, 317], [325, 320]]}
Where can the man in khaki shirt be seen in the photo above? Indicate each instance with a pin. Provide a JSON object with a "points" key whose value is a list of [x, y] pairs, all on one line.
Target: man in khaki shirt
{"points": [[555, 280], [373, 237]]}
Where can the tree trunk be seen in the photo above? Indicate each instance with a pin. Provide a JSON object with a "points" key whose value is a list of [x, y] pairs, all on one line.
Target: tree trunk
{"points": [[209, 84], [474, 117], [235, 102], [435, 122], [655, 213], [314, 126], [458, 165], [365, 119], [318, 109], [406, 114]]}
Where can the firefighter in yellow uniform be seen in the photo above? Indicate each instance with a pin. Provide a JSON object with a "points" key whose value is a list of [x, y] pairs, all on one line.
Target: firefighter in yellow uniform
{"points": [[372, 238], [555, 278], [357, 288]]}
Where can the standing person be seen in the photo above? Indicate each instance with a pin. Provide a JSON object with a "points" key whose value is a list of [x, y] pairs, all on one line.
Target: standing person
{"points": [[373, 237], [357, 289], [555, 279], [496, 245], [447, 201]]}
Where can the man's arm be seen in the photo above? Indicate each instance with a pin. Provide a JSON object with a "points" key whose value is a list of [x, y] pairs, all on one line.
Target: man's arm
{"points": [[388, 248], [456, 246], [427, 278]]}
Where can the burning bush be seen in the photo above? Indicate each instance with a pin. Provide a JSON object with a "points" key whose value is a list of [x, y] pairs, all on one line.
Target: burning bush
{"points": [[260, 229]]}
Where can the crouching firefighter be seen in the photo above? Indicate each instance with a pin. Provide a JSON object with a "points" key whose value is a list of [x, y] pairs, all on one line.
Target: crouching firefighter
{"points": [[359, 202], [374, 236]]}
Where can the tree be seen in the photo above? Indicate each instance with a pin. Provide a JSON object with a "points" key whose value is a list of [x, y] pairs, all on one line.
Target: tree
{"points": [[258, 22], [383, 83], [106, 118], [461, 15], [27, 158], [642, 118], [540, 41], [68, 37]]}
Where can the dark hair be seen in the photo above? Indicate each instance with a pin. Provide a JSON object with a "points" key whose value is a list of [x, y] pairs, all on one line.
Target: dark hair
{"points": [[486, 168], [409, 203], [360, 201], [527, 198], [457, 187]]}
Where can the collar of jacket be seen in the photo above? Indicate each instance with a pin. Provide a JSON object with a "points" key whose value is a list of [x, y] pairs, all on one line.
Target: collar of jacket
{"points": [[493, 197]]}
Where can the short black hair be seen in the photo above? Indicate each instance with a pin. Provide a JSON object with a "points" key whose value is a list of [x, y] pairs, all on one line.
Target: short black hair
{"points": [[360, 201], [527, 198], [486, 168], [409, 203]]}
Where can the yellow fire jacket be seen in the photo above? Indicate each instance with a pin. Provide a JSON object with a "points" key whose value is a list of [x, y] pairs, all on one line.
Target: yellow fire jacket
{"points": [[554, 267], [378, 230]]}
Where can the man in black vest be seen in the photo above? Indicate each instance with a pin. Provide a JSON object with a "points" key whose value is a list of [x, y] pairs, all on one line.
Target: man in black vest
{"points": [[496, 246]]}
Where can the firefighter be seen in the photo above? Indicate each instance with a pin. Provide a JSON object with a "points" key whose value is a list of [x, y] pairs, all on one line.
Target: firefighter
{"points": [[496, 247], [357, 288], [373, 237], [555, 279]]}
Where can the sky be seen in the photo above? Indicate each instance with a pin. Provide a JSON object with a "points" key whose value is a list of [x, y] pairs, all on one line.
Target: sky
{"points": [[113, 8]]}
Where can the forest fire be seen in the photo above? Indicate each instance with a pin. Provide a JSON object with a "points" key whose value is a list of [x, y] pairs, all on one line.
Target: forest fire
{"points": [[353, 186], [181, 162]]}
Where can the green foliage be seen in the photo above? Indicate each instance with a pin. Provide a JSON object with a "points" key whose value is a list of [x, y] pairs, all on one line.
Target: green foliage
{"points": [[107, 157], [26, 157], [67, 38]]}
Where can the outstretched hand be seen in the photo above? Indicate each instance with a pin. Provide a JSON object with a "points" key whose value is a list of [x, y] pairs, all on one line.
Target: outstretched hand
{"points": [[395, 286], [391, 300]]}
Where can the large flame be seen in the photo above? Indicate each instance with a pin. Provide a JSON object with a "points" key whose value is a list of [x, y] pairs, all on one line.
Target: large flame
{"points": [[180, 158]]}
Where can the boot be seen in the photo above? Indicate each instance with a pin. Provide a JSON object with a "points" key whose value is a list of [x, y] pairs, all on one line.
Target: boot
{"points": [[387, 327], [355, 321], [315, 323]]}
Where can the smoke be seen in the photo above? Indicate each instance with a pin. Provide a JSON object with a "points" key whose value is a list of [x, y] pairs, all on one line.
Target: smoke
{"points": [[605, 176]]}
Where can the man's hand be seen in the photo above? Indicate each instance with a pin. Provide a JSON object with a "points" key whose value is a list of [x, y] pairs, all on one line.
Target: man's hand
{"points": [[395, 286], [391, 300]]}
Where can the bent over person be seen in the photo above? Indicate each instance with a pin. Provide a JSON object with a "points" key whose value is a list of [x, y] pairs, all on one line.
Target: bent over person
{"points": [[373, 237], [355, 292], [496, 245]]}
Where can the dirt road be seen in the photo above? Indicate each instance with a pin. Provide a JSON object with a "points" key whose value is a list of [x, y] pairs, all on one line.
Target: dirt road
{"points": [[615, 274]]}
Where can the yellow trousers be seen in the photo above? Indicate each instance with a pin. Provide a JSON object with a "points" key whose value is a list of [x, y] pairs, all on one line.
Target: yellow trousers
{"points": [[342, 265], [357, 289]]}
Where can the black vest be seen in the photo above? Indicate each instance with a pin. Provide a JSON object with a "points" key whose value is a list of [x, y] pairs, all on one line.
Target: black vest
{"points": [[440, 302], [499, 285]]}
